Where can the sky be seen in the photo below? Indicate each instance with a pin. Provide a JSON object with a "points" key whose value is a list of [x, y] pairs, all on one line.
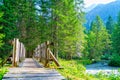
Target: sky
{"points": [[88, 3]]}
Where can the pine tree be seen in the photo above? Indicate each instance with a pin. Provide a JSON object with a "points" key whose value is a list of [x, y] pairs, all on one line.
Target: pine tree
{"points": [[36, 21], [98, 39], [58, 18], [19, 21], [44, 20], [9, 26], [70, 25], [28, 25], [116, 37], [1, 34], [110, 25], [1, 38]]}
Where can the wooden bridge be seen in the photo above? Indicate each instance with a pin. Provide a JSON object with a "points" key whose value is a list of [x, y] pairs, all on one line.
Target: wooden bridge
{"points": [[31, 68]]}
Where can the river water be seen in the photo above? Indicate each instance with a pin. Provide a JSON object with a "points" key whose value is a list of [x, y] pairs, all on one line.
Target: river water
{"points": [[101, 67]]}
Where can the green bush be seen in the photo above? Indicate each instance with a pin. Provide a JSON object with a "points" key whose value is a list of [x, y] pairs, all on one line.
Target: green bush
{"points": [[2, 72], [115, 60], [106, 56]]}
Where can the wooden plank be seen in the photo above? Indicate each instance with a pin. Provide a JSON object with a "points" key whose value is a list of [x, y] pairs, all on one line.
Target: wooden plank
{"points": [[32, 75], [28, 73], [36, 78], [32, 70], [54, 59], [30, 63]]}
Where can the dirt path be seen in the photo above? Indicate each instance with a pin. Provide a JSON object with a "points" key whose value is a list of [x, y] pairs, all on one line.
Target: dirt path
{"points": [[101, 67]]}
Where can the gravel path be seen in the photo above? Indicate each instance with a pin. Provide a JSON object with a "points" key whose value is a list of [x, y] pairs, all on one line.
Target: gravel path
{"points": [[101, 67]]}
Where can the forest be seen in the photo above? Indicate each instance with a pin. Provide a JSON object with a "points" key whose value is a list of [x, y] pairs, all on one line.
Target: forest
{"points": [[63, 23]]}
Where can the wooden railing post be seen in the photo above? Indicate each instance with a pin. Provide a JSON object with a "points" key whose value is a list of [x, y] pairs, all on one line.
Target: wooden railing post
{"points": [[45, 55], [14, 52], [38, 52], [18, 52]]}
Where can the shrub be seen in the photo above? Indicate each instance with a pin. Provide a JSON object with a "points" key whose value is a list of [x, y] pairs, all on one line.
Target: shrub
{"points": [[2, 72], [115, 60], [106, 56]]}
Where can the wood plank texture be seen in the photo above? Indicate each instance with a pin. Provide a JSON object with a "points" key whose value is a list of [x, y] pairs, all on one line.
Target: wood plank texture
{"points": [[31, 70]]}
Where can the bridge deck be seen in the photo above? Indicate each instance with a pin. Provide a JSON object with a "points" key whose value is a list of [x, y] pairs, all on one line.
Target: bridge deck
{"points": [[31, 70]]}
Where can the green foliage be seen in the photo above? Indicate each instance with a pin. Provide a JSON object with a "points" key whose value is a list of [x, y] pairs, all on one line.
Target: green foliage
{"points": [[115, 44], [1, 34], [19, 20], [106, 56], [110, 25], [58, 19], [8, 20], [116, 37], [112, 76], [97, 40], [8, 28], [115, 60], [2, 72], [50, 20], [1, 38], [74, 70], [70, 26]]}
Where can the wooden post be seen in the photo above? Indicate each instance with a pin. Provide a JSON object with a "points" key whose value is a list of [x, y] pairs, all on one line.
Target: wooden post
{"points": [[14, 52], [22, 56], [46, 61], [45, 55], [20, 51], [17, 52], [24, 51], [38, 52]]}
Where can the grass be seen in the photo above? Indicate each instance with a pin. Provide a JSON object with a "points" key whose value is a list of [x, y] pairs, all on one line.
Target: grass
{"points": [[75, 70], [2, 72]]}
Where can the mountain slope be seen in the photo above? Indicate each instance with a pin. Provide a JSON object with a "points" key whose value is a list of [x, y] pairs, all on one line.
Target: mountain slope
{"points": [[104, 11]]}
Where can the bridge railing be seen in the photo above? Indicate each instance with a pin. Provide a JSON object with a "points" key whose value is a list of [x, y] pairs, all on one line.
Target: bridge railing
{"points": [[18, 52], [44, 54]]}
